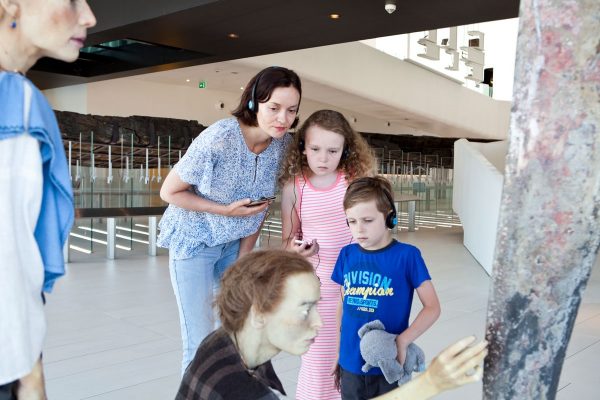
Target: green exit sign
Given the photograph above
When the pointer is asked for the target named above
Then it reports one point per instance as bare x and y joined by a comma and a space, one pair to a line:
202, 84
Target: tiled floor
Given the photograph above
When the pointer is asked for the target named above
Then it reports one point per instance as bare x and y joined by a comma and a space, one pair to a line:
114, 331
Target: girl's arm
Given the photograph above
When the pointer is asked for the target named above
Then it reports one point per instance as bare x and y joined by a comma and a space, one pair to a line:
455, 366
289, 217
177, 192
426, 317
291, 228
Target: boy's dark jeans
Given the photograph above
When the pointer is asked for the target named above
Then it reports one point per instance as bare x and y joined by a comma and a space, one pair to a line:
363, 387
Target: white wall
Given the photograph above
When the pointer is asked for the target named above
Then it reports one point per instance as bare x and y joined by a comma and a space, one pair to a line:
477, 193
494, 152
435, 104
132, 96
500, 47
69, 98
371, 74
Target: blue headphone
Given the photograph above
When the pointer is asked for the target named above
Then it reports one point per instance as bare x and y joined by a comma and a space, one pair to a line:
391, 220
252, 103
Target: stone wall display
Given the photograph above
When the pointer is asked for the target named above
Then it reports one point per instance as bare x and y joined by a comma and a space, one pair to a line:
549, 223
110, 130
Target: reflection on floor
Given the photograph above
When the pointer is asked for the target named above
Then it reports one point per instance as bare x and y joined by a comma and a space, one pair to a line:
114, 332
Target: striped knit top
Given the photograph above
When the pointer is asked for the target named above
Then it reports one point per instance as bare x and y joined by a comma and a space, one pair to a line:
322, 217
321, 212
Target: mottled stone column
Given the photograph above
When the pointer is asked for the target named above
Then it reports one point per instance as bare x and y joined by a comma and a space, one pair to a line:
549, 225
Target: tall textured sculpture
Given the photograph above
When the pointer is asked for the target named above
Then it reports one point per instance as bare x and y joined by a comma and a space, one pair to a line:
549, 226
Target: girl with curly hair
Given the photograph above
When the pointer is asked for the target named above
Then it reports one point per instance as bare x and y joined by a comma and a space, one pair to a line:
324, 156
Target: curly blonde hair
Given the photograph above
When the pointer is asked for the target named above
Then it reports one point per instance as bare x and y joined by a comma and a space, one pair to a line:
359, 160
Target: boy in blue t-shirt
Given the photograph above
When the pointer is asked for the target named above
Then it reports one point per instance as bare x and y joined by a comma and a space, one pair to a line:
378, 276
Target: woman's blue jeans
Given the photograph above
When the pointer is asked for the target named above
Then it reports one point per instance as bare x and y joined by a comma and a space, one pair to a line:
195, 281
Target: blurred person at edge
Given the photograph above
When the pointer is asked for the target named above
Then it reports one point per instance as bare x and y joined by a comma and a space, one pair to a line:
36, 200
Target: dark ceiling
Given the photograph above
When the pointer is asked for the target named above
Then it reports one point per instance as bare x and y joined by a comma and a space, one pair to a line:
170, 34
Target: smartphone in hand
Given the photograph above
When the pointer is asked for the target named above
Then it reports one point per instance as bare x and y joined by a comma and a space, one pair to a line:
308, 244
258, 202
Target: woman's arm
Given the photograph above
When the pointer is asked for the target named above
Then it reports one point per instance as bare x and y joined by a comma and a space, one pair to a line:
426, 317
177, 192
455, 366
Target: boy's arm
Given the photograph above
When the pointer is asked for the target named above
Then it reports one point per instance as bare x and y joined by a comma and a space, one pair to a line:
426, 317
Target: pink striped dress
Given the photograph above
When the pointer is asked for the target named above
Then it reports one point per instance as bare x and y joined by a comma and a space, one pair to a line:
322, 217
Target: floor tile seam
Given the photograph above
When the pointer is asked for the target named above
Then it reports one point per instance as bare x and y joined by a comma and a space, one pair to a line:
126, 387
587, 319
466, 314
563, 387
586, 347
104, 351
169, 302
109, 365
118, 321
53, 347
463, 310
280, 370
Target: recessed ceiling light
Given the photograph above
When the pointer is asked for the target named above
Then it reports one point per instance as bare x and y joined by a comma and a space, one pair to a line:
233, 36
334, 16
187, 80
241, 88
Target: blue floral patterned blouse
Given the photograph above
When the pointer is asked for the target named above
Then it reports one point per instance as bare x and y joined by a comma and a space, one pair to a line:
220, 168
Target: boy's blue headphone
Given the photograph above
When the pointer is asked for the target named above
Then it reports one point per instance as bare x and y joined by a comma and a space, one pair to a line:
391, 220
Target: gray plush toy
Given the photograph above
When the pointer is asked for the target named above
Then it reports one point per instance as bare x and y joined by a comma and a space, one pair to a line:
378, 349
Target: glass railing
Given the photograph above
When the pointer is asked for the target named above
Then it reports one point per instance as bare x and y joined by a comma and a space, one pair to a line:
108, 190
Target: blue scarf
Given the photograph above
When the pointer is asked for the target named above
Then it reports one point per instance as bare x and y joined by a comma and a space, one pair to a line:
56, 212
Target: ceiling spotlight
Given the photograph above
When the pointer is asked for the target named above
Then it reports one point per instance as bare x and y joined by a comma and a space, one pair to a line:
233, 36
241, 88
390, 6
334, 16
187, 80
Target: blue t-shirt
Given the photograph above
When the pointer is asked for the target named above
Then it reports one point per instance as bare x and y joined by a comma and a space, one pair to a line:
220, 167
379, 285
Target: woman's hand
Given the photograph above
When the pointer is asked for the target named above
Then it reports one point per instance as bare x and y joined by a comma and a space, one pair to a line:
457, 365
239, 208
305, 249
